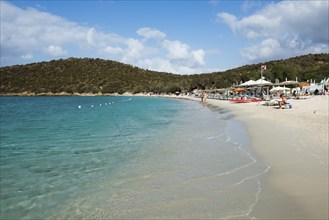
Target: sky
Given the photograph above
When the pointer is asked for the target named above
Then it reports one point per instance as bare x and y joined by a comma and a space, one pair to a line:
181, 37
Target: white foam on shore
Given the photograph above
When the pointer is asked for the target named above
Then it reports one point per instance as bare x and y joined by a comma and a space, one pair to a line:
237, 134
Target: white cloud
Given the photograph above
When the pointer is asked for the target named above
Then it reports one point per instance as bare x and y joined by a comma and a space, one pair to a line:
229, 19
28, 56
133, 51
179, 59
180, 54
198, 56
150, 33
266, 49
165, 65
214, 2
286, 28
250, 4
55, 51
29, 33
157, 63
176, 49
113, 50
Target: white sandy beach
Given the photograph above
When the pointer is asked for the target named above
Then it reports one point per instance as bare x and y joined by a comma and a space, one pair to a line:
294, 142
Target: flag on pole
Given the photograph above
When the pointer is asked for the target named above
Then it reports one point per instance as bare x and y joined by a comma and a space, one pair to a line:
263, 67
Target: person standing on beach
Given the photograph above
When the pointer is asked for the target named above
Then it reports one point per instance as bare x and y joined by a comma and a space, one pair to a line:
202, 96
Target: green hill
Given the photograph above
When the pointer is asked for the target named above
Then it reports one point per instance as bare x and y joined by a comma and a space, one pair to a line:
86, 75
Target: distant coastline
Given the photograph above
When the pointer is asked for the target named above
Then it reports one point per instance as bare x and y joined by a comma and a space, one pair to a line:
29, 94
94, 77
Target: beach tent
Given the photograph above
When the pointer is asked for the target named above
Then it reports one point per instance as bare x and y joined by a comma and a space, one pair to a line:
312, 88
325, 84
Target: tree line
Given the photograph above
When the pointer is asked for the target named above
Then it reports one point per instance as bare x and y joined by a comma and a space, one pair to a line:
98, 76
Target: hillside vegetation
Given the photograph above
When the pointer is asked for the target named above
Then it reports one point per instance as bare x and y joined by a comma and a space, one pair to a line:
86, 75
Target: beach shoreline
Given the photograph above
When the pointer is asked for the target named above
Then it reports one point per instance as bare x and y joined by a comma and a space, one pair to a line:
294, 143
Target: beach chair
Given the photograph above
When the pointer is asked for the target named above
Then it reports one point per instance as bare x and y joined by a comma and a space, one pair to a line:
272, 102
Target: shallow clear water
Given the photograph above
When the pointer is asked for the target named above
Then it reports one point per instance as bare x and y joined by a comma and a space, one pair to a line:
122, 157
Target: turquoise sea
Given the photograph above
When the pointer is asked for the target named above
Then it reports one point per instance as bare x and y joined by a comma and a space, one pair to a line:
123, 157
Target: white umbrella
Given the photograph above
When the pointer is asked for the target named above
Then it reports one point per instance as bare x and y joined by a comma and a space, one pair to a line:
288, 83
262, 82
248, 83
278, 89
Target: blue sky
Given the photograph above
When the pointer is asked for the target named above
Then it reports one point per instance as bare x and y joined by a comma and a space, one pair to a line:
183, 37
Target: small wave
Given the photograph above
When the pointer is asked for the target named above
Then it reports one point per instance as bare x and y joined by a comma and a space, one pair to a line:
214, 137
250, 208
256, 176
252, 177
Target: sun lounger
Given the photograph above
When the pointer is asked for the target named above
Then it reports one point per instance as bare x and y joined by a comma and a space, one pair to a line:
272, 102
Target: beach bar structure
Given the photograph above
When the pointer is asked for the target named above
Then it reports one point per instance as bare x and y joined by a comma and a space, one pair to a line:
264, 89
258, 88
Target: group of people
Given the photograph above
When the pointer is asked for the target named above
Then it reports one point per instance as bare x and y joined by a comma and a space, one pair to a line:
283, 102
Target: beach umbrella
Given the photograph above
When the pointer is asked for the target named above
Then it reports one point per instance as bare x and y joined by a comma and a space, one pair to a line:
262, 82
279, 89
303, 84
248, 83
287, 83
239, 90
